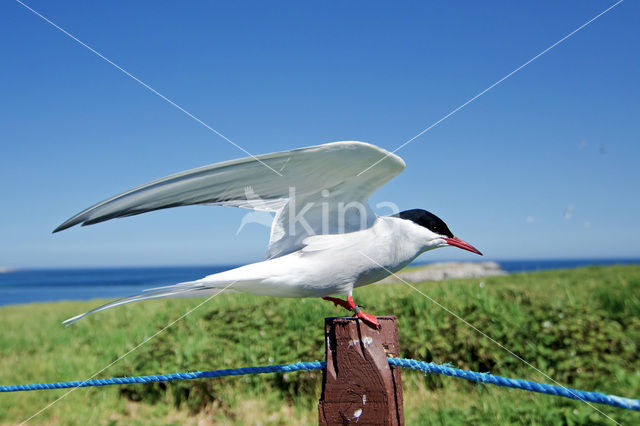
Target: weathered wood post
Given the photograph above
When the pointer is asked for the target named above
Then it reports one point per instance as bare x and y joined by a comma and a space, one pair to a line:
358, 384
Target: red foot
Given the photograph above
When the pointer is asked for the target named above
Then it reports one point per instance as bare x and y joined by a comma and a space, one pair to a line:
368, 319
350, 305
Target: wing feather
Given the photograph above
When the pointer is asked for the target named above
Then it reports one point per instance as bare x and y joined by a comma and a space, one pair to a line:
247, 183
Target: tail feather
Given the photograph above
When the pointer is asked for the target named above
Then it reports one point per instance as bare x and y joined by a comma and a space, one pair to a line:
168, 291
245, 278
191, 284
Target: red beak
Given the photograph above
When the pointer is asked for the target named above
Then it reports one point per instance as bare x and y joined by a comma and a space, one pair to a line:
455, 241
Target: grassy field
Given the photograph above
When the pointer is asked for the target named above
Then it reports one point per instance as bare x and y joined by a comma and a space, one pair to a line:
581, 327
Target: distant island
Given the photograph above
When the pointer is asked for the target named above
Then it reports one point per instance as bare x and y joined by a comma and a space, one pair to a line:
448, 270
6, 269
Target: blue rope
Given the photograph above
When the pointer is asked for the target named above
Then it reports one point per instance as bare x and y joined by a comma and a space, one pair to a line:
425, 367
285, 368
585, 396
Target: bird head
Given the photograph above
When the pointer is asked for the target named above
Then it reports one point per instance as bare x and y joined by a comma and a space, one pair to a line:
433, 232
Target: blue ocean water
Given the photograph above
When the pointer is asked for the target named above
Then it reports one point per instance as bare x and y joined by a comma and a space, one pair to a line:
47, 285
514, 266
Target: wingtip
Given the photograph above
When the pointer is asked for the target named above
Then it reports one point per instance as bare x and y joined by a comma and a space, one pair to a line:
60, 228
63, 226
68, 224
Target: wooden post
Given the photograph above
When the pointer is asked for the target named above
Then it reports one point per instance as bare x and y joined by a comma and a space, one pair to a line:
358, 386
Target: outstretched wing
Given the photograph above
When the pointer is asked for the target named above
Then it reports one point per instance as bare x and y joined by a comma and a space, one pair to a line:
318, 190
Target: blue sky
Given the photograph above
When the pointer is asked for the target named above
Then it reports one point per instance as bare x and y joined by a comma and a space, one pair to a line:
275, 76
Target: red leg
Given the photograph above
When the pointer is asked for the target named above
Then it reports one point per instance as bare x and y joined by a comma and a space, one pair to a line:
339, 302
350, 305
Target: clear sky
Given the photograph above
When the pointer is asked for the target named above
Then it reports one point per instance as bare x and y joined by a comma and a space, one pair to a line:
545, 165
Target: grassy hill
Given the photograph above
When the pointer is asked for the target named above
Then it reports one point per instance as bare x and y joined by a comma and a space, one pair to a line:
581, 327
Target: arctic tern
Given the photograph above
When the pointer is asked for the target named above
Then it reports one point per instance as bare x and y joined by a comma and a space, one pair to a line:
325, 238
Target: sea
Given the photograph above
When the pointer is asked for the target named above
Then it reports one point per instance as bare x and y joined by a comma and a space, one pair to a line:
49, 285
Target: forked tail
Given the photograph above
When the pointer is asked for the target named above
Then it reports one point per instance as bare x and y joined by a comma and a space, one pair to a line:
153, 293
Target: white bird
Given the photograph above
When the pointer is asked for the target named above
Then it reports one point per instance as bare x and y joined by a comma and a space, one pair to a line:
325, 238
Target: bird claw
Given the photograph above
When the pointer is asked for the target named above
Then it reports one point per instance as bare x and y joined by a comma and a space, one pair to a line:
368, 319
350, 305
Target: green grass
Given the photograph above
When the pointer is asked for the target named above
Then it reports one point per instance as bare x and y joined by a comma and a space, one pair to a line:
581, 327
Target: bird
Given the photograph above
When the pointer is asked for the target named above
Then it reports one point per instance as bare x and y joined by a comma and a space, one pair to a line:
325, 239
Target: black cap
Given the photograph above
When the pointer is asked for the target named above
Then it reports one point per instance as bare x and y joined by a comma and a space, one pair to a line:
429, 220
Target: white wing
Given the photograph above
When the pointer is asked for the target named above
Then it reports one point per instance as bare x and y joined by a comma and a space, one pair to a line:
319, 191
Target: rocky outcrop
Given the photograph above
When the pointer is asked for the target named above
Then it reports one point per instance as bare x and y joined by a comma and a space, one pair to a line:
449, 270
